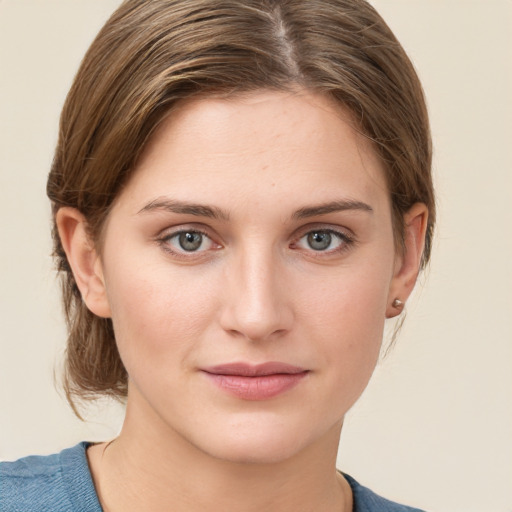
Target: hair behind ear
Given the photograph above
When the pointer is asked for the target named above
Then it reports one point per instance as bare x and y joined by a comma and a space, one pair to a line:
93, 364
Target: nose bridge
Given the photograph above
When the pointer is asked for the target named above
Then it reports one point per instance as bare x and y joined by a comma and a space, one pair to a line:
256, 302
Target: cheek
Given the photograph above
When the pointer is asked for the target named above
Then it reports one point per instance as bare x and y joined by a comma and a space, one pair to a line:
347, 315
355, 331
351, 300
157, 311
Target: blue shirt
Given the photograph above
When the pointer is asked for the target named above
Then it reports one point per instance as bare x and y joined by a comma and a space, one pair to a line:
63, 483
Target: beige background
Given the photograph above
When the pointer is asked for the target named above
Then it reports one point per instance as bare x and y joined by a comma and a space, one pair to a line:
434, 428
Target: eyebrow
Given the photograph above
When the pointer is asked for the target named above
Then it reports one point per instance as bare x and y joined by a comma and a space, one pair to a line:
213, 212
331, 207
173, 206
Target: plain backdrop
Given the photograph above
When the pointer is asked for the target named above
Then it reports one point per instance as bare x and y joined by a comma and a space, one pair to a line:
434, 428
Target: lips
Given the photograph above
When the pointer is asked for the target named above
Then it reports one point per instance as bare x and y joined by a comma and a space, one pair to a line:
255, 382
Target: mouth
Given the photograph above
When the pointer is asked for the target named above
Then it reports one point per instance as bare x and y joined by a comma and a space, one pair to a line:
255, 382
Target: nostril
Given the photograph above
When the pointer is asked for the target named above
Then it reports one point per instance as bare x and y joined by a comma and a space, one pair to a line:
255, 305
257, 332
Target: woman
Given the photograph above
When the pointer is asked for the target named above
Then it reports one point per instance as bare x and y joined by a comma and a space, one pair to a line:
241, 195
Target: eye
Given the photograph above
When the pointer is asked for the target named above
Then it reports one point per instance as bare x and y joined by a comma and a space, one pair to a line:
323, 240
188, 241
319, 240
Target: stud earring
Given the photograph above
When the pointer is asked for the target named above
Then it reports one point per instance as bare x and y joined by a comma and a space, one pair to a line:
398, 304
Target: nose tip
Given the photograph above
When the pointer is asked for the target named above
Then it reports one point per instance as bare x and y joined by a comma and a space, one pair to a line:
253, 325
255, 331
257, 306
257, 318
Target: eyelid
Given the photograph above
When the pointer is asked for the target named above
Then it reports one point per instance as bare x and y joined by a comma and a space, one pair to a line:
330, 228
345, 235
170, 232
183, 228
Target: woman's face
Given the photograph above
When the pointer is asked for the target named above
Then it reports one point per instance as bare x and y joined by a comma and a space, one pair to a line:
247, 268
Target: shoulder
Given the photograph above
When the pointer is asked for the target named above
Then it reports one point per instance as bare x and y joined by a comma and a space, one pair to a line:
53, 482
366, 500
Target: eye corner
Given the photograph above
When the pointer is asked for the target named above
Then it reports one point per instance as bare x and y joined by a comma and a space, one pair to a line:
186, 242
323, 241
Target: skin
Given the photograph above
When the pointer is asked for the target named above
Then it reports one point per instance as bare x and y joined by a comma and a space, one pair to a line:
256, 290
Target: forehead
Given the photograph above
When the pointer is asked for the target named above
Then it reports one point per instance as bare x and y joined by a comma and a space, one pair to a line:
280, 144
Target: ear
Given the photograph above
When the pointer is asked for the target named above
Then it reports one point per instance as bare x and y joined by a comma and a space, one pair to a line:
408, 262
83, 259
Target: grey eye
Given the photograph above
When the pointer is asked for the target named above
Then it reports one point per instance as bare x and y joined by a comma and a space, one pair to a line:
319, 240
190, 241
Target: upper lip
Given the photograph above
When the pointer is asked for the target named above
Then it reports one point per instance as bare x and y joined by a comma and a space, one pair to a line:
254, 370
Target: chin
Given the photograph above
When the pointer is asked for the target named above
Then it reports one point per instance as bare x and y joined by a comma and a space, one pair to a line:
257, 444
250, 452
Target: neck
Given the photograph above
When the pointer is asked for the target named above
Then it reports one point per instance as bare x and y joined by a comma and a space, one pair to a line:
150, 467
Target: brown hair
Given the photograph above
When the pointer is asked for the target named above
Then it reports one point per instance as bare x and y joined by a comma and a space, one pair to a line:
153, 53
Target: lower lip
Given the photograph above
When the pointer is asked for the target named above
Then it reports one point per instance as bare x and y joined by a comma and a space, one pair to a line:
260, 387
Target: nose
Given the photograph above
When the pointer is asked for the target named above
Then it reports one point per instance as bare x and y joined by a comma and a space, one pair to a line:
256, 304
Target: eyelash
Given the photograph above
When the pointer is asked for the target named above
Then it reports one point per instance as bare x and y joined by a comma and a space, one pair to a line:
345, 240
164, 242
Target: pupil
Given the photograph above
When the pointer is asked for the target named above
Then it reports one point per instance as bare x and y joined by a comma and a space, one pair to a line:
319, 240
190, 241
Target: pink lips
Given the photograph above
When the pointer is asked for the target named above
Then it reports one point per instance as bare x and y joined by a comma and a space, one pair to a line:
255, 382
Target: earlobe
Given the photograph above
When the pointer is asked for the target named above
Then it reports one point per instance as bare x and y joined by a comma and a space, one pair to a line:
409, 261
83, 260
